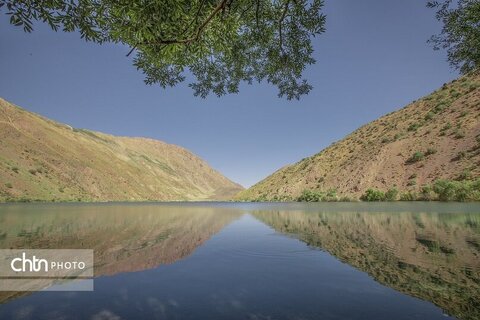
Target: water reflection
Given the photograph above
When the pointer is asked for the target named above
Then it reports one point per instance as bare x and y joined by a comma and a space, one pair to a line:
125, 238
218, 261
435, 257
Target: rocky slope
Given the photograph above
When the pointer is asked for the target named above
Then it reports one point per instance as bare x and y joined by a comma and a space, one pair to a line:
41, 159
436, 137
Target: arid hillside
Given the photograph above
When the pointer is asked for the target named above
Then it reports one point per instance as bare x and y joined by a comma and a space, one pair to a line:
44, 160
436, 137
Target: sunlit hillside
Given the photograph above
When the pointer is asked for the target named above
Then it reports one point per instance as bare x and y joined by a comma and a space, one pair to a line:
41, 159
436, 137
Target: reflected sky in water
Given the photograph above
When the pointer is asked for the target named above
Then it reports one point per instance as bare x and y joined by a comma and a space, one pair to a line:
256, 261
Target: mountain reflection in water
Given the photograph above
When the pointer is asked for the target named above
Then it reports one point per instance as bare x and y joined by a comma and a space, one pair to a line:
185, 253
435, 257
125, 238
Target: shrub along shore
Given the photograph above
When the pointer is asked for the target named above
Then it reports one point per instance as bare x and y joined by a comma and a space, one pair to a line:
439, 190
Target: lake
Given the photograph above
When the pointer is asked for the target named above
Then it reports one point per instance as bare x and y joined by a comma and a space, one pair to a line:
255, 260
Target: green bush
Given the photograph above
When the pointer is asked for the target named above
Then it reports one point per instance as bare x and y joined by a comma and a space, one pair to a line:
475, 190
446, 127
373, 195
457, 190
318, 196
440, 107
429, 116
459, 134
411, 182
309, 196
430, 151
413, 127
444, 189
427, 193
408, 196
391, 194
417, 156
8, 185
456, 94
465, 175
462, 192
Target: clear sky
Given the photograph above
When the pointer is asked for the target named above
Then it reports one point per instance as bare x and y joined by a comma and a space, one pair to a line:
373, 59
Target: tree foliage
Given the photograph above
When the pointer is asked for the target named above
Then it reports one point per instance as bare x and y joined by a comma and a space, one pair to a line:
221, 43
460, 35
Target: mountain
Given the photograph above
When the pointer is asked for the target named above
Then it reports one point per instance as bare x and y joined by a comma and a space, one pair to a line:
436, 137
44, 160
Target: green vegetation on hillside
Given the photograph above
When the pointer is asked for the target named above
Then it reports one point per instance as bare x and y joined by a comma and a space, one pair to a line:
317, 196
441, 190
434, 138
377, 195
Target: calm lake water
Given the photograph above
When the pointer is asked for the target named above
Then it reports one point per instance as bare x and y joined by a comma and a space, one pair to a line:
255, 261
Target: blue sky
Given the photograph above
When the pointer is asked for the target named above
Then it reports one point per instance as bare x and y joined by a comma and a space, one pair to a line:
373, 59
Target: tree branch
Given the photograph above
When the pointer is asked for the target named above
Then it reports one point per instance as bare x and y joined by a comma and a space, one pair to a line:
199, 31
245, 10
195, 21
133, 49
257, 11
284, 14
